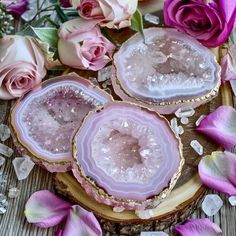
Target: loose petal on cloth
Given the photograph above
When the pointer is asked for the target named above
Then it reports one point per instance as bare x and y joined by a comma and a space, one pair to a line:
218, 171
45, 209
198, 227
220, 126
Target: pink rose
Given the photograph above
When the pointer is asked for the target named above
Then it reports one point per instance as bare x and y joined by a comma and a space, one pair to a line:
210, 22
16, 7
22, 65
112, 14
81, 45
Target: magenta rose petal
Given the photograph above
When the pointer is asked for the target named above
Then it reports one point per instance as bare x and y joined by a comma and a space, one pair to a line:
45, 119
198, 227
120, 157
45, 209
220, 126
218, 171
81, 222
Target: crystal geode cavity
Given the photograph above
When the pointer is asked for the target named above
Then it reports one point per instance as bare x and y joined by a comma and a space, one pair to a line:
45, 119
169, 71
127, 156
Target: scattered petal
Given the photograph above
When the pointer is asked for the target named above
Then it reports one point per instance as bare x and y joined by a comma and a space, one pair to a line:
46, 209
81, 222
198, 227
220, 125
218, 171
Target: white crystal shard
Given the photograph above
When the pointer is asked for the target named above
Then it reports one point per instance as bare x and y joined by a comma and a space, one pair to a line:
156, 233
5, 132
3, 210
198, 121
2, 160
211, 204
232, 200
23, 167
180, 130
174, 125
145, 214
184, 120
118, 209
93, 80
185, 112
152, 18
3, 203
104, 74
198, 148
5, 150
13, 192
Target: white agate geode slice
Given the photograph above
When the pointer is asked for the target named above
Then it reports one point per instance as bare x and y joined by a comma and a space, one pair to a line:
45, 120
169, 71
127, 156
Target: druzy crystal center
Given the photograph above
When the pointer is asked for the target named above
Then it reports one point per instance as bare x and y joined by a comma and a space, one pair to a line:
126, 150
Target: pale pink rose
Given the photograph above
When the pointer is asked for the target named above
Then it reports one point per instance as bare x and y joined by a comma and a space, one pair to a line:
81, 45
22, 65
112, 14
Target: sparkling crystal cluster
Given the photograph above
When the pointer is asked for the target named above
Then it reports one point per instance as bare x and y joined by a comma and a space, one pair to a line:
125, 153
166, 71
47, 117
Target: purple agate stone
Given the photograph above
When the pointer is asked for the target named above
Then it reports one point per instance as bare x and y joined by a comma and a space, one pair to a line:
129, 152
45, 120
169, 71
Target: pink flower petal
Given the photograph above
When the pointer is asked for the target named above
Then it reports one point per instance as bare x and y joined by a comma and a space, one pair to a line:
198, 227
45, 209
218, 171
80, 222
220, 126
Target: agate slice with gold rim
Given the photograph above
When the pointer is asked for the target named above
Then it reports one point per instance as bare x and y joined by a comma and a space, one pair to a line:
45, 120
168, 71
127, 155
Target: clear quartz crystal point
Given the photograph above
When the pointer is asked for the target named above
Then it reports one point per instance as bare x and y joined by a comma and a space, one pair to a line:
180, 130
23, 167
5, 132
198, 148
211, 204
5, 150
152, 18
232, 200
185, 112
198, 121
118, 209
13, 192
174, 125
144, 214
3, 204
2, 160
184, 120
104, 74
156, 233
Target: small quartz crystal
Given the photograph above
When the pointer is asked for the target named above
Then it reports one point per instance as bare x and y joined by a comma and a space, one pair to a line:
180, 130
2, 160
118, 209
104, 74
211, 204
185, 112
13, 192
198, 148
198, 121
232, 200
144, 214
184, 120
5, 132
174, 125
5, 150
93, 80
3, 204
156, 233
23, 167
152, 18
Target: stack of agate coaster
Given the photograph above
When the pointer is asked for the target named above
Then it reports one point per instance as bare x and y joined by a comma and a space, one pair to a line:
44, 120
168, 71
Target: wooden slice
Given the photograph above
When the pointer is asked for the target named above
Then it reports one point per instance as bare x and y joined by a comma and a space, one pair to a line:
183, 199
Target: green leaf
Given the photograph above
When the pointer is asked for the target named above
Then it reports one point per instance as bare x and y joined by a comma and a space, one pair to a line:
137, 22
48, 35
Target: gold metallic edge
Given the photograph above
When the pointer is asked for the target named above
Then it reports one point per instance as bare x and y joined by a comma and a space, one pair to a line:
102, 193
35, 157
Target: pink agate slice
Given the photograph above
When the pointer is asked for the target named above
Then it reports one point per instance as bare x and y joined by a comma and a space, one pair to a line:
45, 119
169, 71
129, 152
